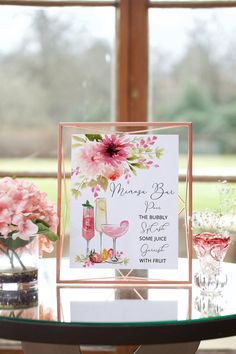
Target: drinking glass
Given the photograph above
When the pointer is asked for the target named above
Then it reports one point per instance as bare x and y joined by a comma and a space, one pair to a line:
100, 217
88, 223
211, 249
114, 231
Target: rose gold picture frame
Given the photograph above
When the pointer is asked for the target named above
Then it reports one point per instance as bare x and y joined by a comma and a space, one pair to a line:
65, 275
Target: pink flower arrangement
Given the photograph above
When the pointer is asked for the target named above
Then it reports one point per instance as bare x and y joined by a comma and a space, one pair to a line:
104, 158
25, 212
108, 154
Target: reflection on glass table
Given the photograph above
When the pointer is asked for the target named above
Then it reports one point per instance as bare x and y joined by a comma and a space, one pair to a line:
153, 316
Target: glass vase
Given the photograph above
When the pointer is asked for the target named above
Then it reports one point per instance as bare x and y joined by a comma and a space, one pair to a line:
19, 265
211, 249
210, 304
11, 300
29, 313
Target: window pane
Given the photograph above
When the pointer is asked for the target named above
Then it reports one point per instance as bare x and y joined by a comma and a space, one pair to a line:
192, 73
192, 77
56, 64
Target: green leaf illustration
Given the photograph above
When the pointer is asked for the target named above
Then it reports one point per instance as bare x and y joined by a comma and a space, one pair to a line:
78, 259
103, 182
93, 137
151, 156
126, 261
159, 152
87, 205
75, 193
132, 158
139, 165
93, 183
133, 170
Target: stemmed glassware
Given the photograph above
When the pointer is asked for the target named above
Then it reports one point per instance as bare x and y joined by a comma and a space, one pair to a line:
99, 222
101, 217
114, 231
88, 223
211, 249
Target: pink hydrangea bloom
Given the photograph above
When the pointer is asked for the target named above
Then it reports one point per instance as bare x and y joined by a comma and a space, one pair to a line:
26, 229
21, 204
5, 209
45, 245
4, 230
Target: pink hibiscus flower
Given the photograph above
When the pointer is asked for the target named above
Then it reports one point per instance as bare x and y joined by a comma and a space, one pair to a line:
114, 150
89, 161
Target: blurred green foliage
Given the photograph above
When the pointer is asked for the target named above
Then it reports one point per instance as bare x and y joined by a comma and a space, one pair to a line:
199, 87
59, 73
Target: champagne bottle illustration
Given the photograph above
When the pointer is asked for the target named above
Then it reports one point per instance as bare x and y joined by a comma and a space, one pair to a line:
100, 217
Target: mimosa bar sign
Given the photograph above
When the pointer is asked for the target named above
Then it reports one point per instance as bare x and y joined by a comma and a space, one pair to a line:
124, 201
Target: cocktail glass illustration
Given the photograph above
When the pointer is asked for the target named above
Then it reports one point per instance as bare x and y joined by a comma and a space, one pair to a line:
114, 231
88, 223
100, 216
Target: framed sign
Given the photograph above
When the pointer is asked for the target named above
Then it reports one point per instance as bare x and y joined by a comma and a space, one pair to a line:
123, 204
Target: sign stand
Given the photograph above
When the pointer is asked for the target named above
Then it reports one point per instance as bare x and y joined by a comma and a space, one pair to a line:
146, 212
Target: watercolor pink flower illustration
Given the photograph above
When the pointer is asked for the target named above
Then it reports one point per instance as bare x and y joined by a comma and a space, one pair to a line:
104, 158
113, 173
114, 150
89, 160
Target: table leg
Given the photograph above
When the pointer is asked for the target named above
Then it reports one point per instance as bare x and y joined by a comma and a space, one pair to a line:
176, 348
39, 348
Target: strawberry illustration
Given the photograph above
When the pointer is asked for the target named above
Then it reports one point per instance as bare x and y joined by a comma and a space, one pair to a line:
94, 257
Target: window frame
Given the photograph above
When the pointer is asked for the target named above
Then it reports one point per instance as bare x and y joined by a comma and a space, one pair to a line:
132, 57
132, 45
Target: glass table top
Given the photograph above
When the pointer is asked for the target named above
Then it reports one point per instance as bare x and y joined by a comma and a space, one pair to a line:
120, 306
